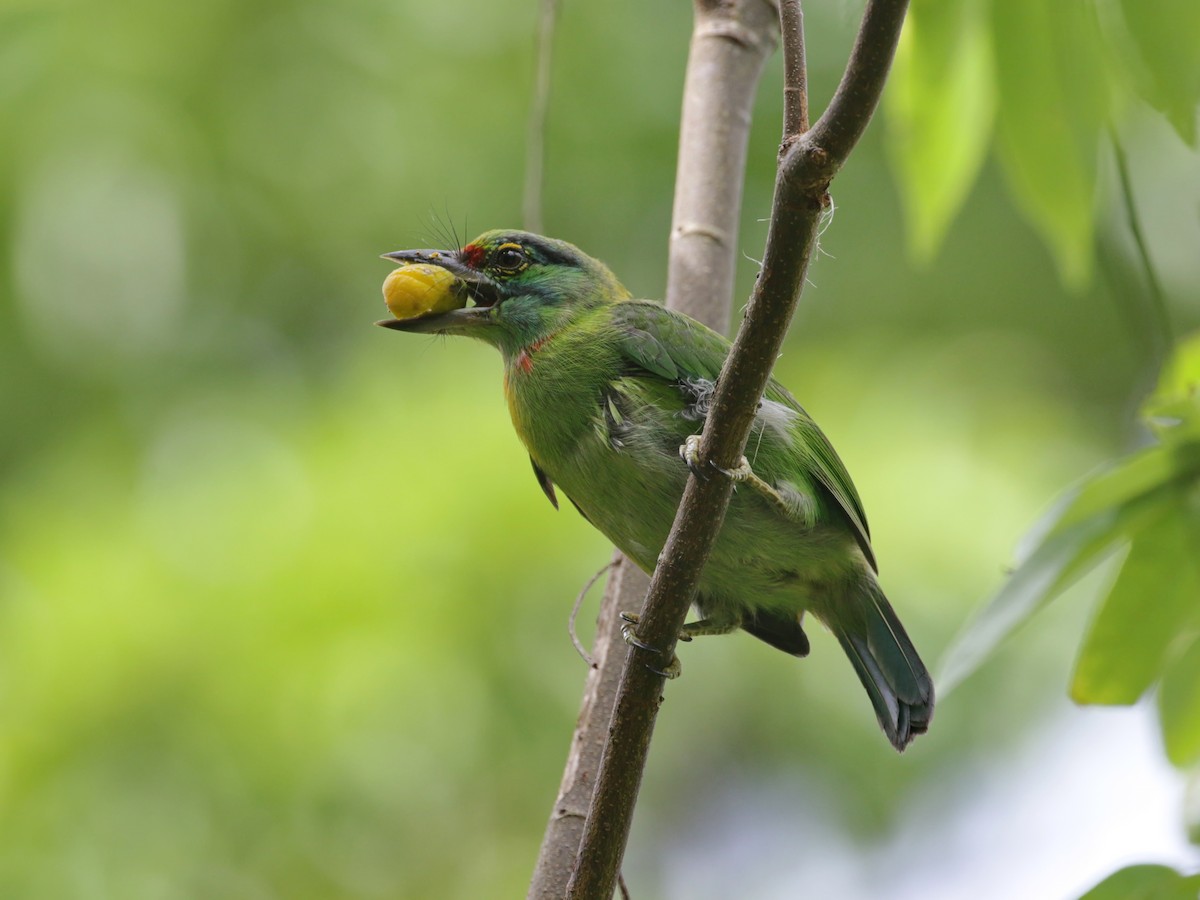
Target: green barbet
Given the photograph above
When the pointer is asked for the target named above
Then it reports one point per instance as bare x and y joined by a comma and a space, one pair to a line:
605, 392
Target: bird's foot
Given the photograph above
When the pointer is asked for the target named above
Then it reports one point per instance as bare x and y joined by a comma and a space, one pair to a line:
672, 669
689, 452
742, 473
713, 625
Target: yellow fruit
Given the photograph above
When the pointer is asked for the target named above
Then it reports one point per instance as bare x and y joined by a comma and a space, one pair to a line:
419, 290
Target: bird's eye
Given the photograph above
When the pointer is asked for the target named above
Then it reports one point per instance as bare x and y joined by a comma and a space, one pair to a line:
509, 259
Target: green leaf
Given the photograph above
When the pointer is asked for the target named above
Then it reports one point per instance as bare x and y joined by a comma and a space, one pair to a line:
1174, 407
1145, 882
1167, 35
1181, 375
1155, 597
1053, 566
1053, 103
1150, 500
1113, 485
1179, 706
940, 106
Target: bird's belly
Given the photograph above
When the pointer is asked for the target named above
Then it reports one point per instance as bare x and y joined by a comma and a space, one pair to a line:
629, 496
760, 559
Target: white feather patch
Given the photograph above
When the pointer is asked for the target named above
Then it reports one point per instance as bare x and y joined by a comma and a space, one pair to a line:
777, 416
801, 503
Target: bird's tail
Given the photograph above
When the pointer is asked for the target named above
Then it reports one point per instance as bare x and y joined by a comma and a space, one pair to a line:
887, 663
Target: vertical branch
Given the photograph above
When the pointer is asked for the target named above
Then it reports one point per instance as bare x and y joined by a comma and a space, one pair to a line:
730, 43
795, 71
626, 585
808, 162
535, 138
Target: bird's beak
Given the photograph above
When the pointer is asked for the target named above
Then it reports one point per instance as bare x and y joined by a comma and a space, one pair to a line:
457, 321
478, 287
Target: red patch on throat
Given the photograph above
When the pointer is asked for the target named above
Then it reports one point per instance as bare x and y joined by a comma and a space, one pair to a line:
524, 359
472, 255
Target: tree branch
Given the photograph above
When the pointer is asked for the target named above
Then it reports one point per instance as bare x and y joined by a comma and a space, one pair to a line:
807, 164
730, 43
795, 71
827, 145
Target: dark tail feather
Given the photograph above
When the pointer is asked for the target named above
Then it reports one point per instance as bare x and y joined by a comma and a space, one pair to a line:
887, 663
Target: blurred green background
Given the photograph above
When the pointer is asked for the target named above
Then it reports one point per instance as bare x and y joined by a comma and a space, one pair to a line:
282, 609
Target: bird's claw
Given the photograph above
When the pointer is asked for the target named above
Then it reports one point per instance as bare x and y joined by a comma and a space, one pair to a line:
689, 452
671, 669
741, 472
630, 635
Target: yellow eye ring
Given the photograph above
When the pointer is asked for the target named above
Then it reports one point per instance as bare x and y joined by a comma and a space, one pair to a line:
510, 259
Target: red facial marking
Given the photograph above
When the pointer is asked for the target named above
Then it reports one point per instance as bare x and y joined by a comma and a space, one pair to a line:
472, 255
524, 359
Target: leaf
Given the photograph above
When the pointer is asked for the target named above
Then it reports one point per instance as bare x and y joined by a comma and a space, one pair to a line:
1181, 376
1114, 485
1053, 100
1167, 35
1158, 489
1179, 706
1054, 565
1173, 410
1145, 882
940, 105
1155, 597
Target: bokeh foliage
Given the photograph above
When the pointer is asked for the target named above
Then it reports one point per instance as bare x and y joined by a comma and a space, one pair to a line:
1145, 506
1050, 81
281, 606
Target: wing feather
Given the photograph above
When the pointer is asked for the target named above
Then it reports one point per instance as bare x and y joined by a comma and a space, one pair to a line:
674, 348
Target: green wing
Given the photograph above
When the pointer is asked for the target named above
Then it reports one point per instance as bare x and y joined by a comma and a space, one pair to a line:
831, 472
675, 348
666, 343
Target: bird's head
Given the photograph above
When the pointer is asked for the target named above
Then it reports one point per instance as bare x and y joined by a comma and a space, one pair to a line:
522, 286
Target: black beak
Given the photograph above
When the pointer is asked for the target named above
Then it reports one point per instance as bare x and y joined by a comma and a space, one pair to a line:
454, 322
480, 288
447, 259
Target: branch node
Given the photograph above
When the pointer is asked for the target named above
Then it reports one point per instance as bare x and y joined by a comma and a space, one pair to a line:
727, 30
699, 229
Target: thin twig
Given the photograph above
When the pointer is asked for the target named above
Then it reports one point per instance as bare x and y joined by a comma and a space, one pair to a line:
535, 140
828, 143
800, 199
579, 648
795, 74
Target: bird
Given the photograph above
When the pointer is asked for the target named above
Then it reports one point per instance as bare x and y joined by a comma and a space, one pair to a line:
607, 393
